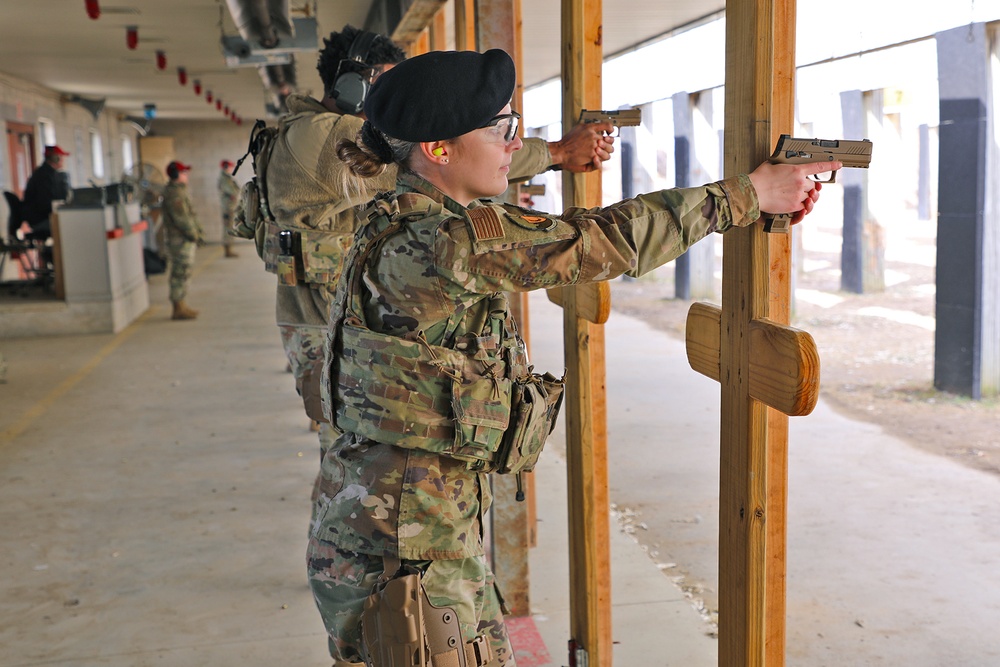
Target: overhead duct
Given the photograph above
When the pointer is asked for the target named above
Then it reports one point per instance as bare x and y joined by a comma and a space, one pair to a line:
267, 33
262, 23
95, 107
268, 38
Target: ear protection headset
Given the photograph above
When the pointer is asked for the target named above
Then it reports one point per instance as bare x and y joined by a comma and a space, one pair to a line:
351, 88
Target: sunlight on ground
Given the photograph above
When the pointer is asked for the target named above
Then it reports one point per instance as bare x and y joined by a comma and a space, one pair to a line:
818, 298
900, 316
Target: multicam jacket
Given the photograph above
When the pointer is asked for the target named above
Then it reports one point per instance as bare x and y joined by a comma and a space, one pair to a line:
306, 195
178, 214
441, 268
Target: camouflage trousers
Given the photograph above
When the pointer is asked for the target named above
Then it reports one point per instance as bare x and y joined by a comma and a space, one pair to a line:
342, 580
180, 254
304, 349
227, 224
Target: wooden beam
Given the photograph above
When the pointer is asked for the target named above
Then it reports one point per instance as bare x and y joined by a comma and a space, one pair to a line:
779, 311
513, 522
759, 44
420, 44
419, 15
438, 32
465, 25
585, 403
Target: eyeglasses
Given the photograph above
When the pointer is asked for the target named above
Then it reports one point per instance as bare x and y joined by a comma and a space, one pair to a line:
504, 126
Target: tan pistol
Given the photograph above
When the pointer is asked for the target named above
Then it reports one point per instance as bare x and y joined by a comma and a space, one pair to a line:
852, 153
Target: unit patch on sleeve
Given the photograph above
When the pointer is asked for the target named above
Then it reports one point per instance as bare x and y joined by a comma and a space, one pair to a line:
532, 221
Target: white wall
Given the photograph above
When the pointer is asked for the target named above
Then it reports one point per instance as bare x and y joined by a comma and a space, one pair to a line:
203, 144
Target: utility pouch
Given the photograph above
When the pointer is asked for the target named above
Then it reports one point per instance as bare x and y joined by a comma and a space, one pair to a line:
535, 403
248, 223
285, 265
481, 404
401, 628
309, 390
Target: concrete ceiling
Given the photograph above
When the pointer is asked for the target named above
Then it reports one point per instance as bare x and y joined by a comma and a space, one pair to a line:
55, 44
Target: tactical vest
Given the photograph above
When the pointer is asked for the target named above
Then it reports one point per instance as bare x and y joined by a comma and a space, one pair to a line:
475, 400
310, 246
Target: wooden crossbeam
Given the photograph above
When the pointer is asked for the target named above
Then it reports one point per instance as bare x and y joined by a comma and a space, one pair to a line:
784, 362
593, 301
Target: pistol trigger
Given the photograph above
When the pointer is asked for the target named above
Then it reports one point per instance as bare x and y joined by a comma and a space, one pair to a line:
816, 179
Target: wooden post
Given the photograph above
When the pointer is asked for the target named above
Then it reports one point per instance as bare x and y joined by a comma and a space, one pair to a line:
438, 32
768, 370
465, 25
513, 523
585, 402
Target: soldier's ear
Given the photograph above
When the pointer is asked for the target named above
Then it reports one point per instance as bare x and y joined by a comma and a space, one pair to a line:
436, 151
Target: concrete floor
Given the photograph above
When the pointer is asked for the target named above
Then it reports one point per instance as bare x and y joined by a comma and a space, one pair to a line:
154, 503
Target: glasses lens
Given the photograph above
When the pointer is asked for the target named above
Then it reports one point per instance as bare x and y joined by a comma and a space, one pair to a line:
505, 125
511, 129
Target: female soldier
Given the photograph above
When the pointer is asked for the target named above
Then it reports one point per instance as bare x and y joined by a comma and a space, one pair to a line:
423, 361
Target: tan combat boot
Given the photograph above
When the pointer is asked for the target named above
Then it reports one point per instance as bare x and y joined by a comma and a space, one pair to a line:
182, 312
230, 252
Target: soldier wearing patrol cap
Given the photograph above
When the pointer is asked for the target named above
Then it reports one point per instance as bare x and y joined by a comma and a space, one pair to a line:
229, 193
184, 235
423, 362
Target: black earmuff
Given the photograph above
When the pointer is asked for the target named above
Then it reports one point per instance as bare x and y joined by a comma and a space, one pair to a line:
351, 88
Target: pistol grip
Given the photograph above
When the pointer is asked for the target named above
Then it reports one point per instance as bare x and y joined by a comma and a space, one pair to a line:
777, 224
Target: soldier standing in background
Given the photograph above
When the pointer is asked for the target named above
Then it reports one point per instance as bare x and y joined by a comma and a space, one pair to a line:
184, 234
229, 193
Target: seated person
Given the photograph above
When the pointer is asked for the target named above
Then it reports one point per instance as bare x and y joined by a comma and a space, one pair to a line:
48, 183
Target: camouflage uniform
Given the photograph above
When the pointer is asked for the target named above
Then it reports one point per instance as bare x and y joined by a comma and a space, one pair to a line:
184, 233
229, 193
305, 195
443, 267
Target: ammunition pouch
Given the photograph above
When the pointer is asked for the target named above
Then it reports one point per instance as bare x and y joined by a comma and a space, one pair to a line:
535, 403
316, 257
401, 628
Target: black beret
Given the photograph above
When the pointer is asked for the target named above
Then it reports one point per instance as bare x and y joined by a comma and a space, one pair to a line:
440, 95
